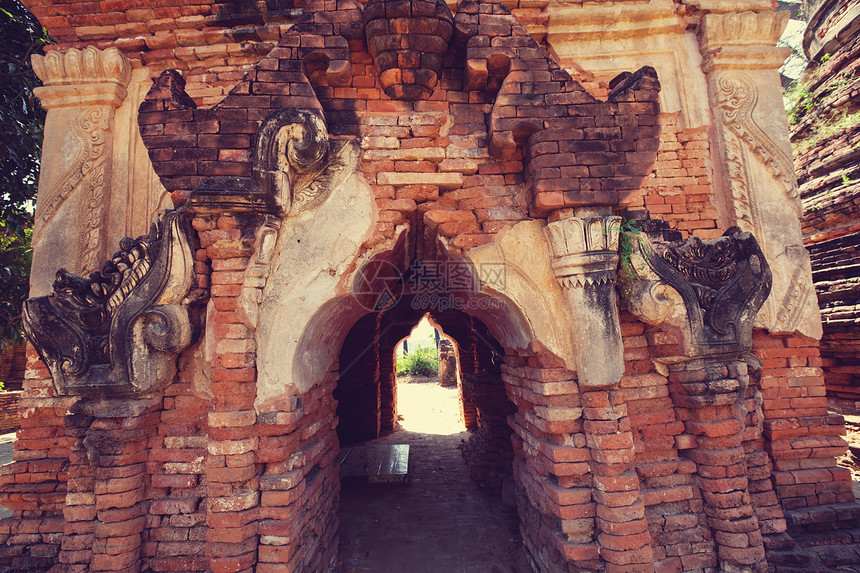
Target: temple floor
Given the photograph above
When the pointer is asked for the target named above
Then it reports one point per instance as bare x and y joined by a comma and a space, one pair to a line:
443, 521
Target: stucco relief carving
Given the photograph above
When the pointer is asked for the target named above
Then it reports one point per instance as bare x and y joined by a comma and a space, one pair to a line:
736, 96
91, 130
585, 262
586, 250
257, 271
81, 91
295, 163
711, 290
119, 331
760, 193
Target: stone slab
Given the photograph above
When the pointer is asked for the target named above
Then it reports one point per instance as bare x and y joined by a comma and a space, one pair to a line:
375, 464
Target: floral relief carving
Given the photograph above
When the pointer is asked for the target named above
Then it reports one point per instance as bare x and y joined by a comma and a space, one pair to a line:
296, 164
91, 129
736, 97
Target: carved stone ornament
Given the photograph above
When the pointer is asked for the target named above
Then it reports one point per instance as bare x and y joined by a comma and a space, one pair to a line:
119, 331
585, 249
712, 290
295, 163
585, 262
736, 96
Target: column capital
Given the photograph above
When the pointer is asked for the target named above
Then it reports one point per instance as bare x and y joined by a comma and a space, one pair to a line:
585, 262
75, 77
585, 249
745, 40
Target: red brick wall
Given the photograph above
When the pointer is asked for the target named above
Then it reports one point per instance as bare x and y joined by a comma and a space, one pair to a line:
9, 411
827, 162
230, 484
13, 363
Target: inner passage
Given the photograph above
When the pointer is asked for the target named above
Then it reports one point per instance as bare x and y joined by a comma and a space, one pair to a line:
440, 519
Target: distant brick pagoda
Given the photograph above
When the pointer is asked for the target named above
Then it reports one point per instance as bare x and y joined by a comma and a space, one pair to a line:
616, 254
826, 135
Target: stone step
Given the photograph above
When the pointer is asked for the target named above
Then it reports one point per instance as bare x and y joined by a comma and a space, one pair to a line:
819, 559
834, 537
822, 519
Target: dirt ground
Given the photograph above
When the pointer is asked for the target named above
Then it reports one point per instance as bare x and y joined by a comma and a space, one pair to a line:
442, 522
851, 459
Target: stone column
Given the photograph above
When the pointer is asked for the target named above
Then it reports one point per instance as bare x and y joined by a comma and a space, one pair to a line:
585, 261
758, 186
82, 90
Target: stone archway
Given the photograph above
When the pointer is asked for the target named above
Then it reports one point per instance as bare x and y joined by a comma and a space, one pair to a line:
363, 389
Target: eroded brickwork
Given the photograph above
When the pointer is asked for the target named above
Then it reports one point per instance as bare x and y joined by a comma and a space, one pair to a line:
684, 464
826, 139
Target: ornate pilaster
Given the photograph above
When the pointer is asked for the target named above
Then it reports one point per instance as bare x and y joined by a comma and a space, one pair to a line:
706, 295
759, 188
585, 263
82, 90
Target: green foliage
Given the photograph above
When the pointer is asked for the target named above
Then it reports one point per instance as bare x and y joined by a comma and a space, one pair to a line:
628, 241
799, 101
423, 361
825, 128
21, 126
15, 258
846, 181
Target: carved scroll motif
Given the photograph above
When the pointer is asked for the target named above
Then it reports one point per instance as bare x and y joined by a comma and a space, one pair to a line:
91, 130
736, 96
118, 332
295, 163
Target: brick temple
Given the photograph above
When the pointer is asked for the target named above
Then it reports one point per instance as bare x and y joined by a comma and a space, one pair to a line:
595, 201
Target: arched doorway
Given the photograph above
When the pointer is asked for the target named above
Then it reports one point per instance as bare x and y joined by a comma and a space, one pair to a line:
453, 515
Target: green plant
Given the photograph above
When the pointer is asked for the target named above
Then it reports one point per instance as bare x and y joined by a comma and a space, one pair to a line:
826, 57
423, 361
15, 258
798, 100
846, 181
826, 128
21, 126
628, 242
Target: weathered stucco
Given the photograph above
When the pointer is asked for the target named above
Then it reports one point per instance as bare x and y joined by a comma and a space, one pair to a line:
558, 186
314, 251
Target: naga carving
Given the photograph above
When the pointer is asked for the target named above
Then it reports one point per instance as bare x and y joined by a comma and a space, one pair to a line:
295, 163
712, 290
119, 331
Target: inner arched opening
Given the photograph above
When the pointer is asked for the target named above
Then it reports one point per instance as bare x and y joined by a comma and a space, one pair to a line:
429, 396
